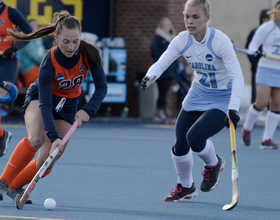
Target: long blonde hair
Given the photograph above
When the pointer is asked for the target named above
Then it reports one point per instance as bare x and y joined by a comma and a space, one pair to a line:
204, 4
161, 23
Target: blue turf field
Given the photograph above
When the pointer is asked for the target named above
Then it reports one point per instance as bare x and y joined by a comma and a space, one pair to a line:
123, 170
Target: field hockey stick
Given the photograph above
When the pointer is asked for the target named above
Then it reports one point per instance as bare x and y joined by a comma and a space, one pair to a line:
20, 201
248, 52
12, 93
234, 170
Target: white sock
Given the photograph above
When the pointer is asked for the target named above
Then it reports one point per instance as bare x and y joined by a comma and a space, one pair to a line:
252, 117
270, 125
208, 154
183, 166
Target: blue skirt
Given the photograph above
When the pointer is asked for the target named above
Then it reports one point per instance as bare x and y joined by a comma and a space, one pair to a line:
203, 99
268, 76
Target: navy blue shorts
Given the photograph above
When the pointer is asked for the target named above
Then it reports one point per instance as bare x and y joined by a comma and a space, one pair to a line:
67, 112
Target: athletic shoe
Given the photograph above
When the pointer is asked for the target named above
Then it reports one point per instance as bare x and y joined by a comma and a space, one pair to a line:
4, 142
268, 144
3, 188
211, 175
170, 121
179, 193
158, 119
246, 137
13, 192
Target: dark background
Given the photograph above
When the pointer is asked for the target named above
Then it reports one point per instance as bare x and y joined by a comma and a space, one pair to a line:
95, 13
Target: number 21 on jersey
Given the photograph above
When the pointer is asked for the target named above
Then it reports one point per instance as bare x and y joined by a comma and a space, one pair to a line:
213, 82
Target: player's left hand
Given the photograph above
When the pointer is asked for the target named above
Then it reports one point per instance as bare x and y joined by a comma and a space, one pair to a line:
9, 53
82, 117
233, 116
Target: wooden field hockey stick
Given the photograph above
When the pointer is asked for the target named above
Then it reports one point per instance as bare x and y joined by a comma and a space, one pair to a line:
248, 52
20, 201
234, 170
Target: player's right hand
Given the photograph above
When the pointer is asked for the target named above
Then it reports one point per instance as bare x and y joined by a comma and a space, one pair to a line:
55, 144
147, 81
9, 53
258, 54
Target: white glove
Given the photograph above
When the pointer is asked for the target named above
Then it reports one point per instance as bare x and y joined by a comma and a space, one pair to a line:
147, 81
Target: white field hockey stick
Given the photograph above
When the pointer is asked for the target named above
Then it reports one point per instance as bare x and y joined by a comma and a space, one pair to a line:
20, 201
248, 52
234, 170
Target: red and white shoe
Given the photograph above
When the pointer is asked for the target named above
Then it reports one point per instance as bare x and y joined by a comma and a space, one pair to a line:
179, 193
268, 145
246, 137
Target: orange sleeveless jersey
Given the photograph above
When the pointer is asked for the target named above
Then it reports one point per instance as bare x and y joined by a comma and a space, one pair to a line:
5, 23
67, 82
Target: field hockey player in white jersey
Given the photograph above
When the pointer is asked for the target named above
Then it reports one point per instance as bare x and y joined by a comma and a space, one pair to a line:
267, 80
213, 100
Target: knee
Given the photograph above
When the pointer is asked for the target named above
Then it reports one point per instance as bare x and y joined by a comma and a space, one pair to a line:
260, 106
195, 141
37, 141
275, 106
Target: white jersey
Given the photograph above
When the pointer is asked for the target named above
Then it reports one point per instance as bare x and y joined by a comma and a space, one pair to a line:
217, 70
267, 35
